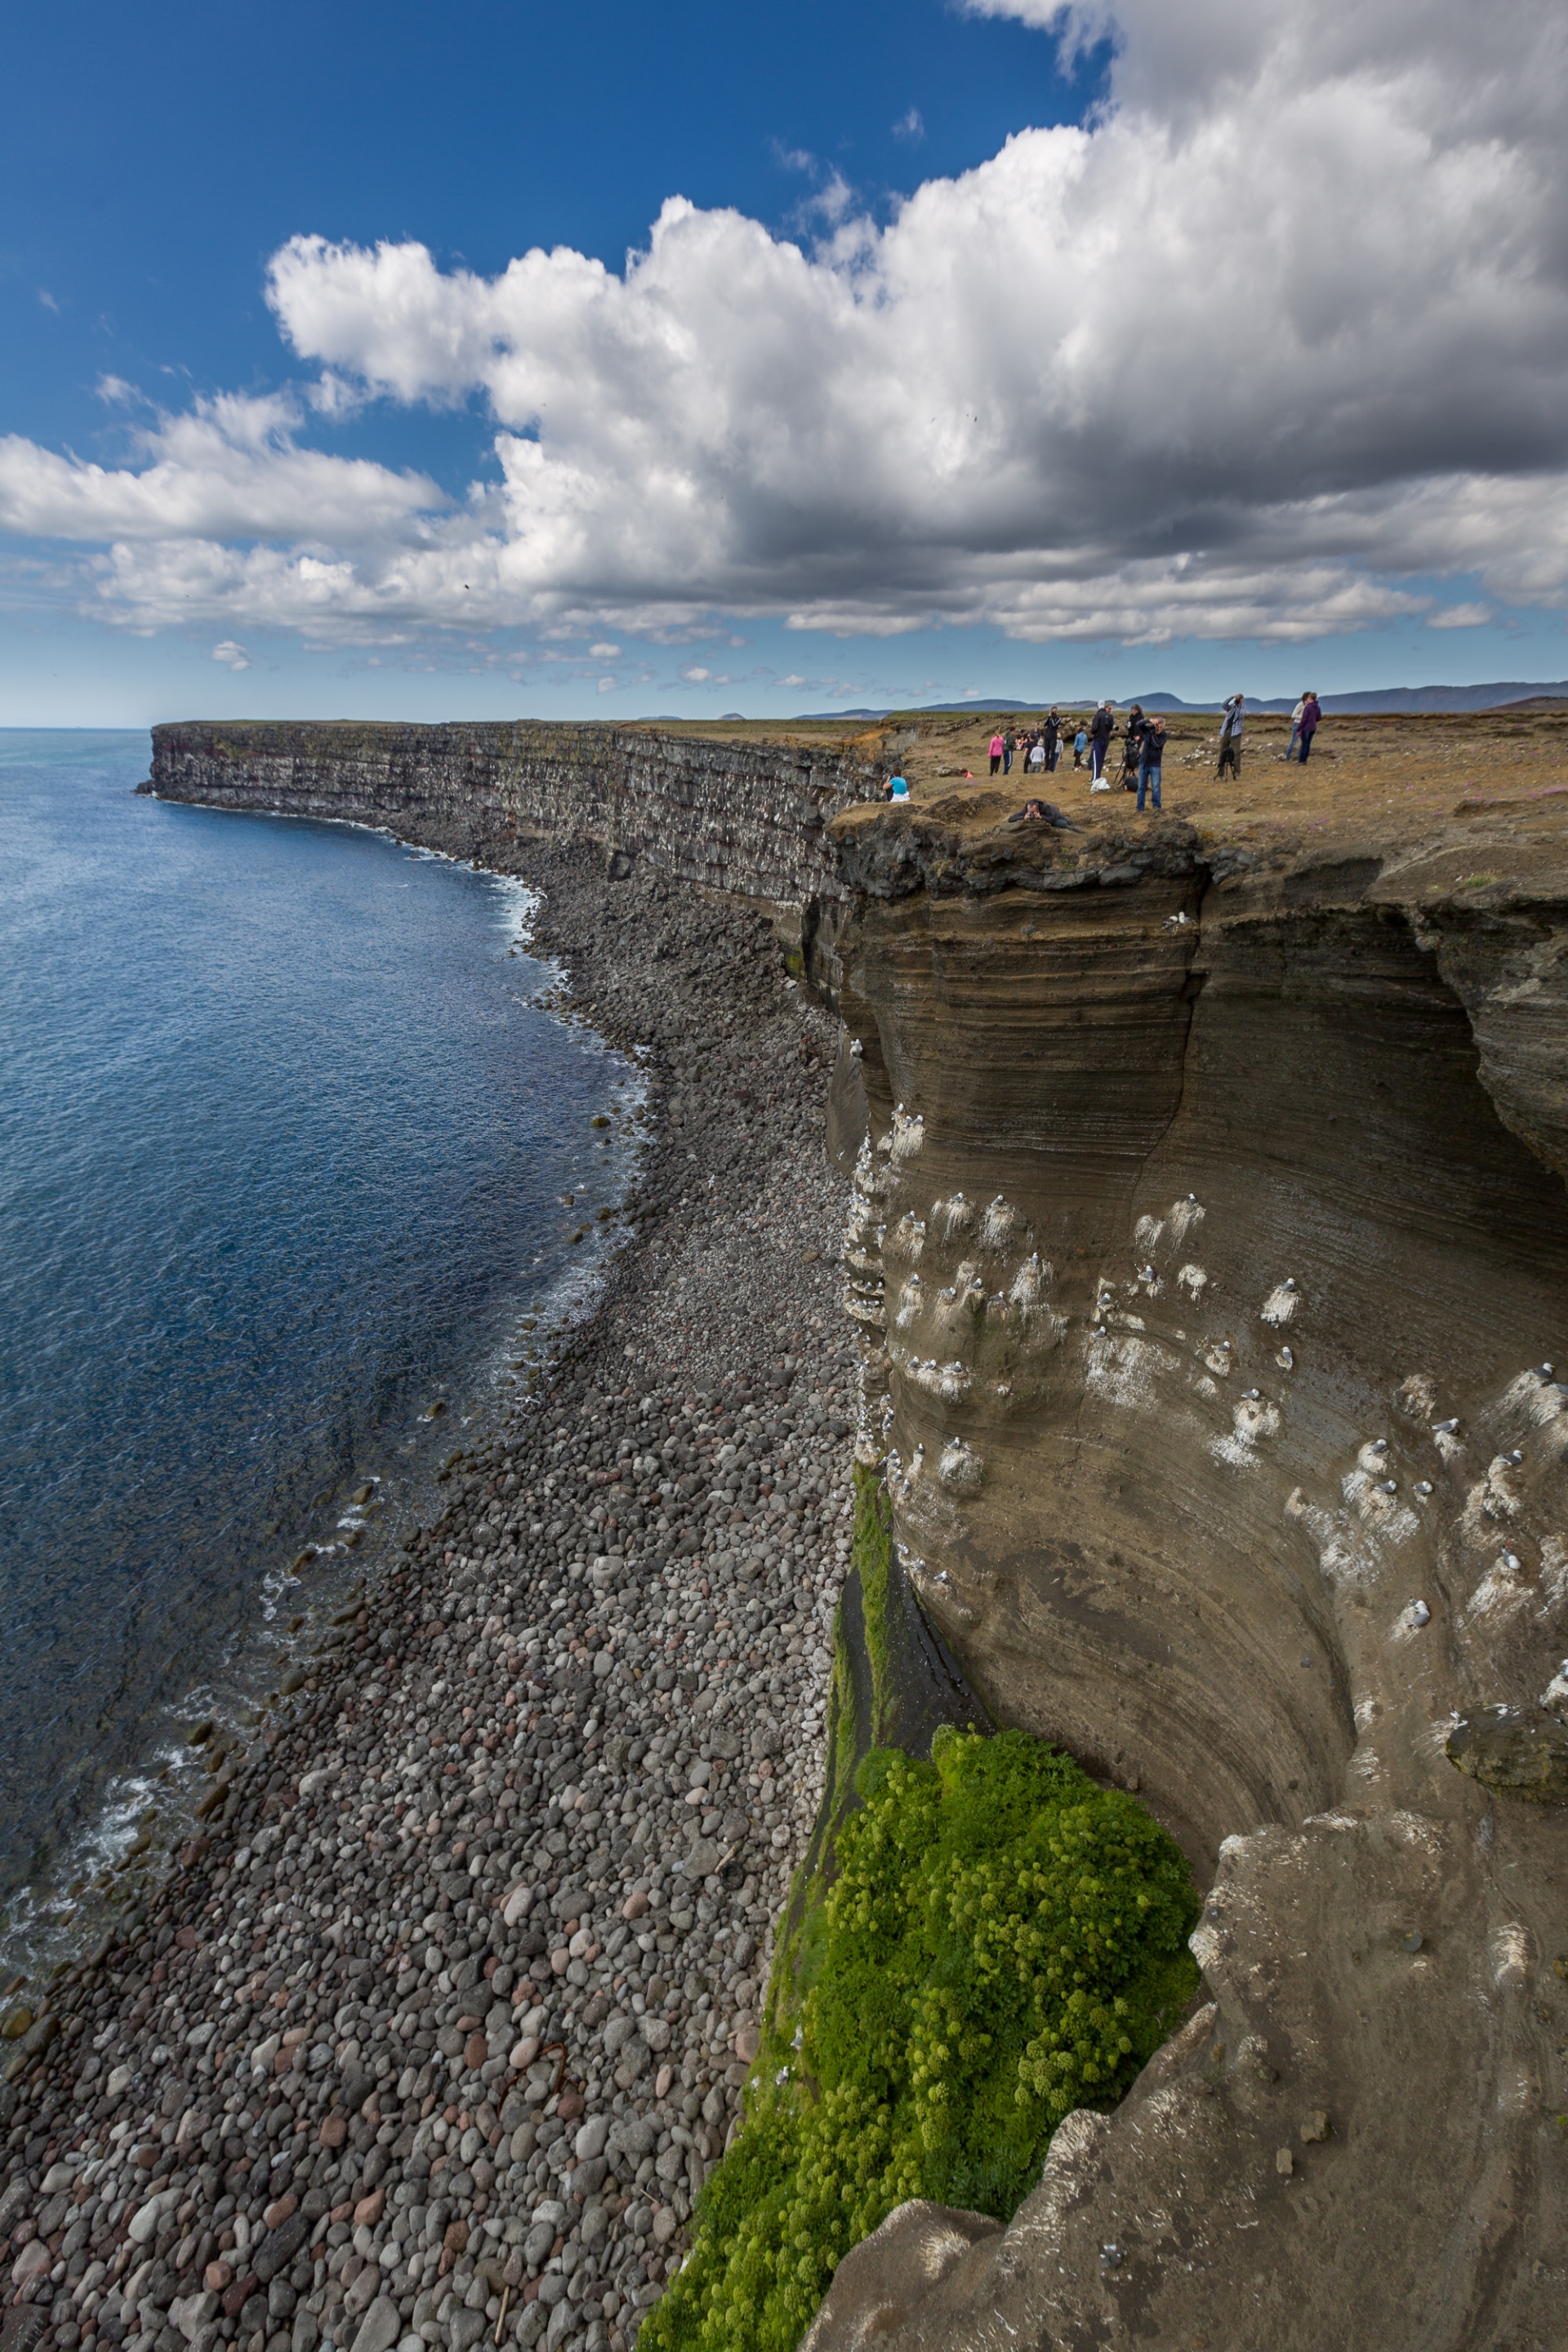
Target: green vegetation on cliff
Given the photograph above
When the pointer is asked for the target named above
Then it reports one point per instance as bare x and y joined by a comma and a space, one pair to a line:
1003, 1942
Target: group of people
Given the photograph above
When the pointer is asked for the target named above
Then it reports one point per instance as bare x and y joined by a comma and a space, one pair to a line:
1042, 746
1142, 740
1305, 720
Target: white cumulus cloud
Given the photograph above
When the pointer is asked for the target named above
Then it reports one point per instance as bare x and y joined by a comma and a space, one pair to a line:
232, 655
229, 468
1274, 337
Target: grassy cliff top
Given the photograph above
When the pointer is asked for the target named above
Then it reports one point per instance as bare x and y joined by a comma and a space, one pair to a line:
1481, 799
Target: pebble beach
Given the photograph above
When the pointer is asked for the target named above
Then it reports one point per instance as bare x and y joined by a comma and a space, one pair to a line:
439, 2018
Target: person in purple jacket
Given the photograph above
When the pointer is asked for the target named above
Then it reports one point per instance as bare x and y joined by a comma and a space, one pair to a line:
1312, 712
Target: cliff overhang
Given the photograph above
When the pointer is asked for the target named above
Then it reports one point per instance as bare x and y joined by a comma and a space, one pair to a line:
1210, 1257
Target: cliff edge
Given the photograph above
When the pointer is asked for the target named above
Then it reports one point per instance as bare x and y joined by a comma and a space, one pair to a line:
734, 814
1210, 1257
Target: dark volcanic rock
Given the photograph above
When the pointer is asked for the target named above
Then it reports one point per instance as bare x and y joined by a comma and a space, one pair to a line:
1518, 1751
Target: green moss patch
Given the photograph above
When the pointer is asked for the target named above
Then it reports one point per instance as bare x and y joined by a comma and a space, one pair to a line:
1003, 1942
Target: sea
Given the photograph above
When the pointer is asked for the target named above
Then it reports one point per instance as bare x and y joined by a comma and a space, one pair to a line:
295, 1138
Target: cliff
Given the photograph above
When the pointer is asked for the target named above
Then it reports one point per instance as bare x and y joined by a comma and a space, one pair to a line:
734, 814
1210, 1257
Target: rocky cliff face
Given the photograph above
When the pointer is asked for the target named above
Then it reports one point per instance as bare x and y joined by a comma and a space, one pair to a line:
1210, 1263
735, 816
1211, 1259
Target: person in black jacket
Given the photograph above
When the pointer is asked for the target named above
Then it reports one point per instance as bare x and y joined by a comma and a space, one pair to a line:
1101, 728
1132, 747
1051, 736
1151, 758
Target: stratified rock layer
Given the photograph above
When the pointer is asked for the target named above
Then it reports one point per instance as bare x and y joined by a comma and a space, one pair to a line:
739, 816
1209, 1299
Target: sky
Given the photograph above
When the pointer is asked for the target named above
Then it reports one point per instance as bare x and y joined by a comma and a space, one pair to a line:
592, 360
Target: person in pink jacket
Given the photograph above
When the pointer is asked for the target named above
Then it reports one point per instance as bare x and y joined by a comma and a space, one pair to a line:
995, 753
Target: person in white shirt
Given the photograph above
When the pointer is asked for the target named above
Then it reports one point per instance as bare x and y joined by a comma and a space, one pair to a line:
1295, 728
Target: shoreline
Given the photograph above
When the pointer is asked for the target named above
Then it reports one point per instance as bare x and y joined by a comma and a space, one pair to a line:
87, 1866
521, 1710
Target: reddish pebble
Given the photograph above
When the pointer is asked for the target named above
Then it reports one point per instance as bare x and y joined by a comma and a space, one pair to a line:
570, 2106
369, 2208
217, 2276
341, 2213
335, 2131
280, 2212
456, 2241
476, 2050
185, 1936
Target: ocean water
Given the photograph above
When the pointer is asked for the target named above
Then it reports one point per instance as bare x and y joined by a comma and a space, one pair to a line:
284, 1143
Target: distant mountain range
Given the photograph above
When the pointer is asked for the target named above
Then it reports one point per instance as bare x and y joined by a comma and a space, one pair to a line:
1415, 699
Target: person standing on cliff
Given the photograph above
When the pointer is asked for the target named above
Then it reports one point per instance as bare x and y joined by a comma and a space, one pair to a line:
1231, 725
1150, 756
1101, 728
995, 753
1311, 712
1132, 747
1009, 745
1079, 746
1295, 728
1051, 736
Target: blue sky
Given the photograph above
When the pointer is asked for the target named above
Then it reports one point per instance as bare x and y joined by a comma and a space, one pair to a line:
967, 367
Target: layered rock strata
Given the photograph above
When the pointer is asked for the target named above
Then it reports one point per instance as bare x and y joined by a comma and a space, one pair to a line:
746, 818
1210, 1257
438, 2023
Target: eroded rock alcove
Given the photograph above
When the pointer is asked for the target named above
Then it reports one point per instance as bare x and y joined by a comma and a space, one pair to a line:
1211, 1296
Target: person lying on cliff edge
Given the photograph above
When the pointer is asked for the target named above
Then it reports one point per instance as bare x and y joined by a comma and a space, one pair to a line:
1044, 812
1231, 724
